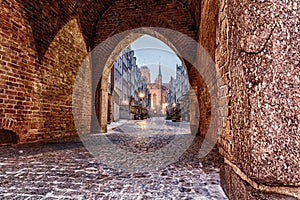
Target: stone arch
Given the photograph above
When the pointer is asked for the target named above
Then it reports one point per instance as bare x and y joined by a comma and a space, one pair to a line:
9, 124
101, 91
236, 57
167, 14
45, 22
8, 133
115, 20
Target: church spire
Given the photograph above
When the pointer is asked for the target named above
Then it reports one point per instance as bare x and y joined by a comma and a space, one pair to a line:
159, 77
159, 71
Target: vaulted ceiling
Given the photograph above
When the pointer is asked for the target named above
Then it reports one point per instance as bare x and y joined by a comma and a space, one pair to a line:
47, 17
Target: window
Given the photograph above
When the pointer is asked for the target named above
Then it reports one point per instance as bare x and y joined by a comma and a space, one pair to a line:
154, 100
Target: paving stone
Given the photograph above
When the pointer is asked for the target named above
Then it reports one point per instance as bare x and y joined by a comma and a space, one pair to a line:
68, 171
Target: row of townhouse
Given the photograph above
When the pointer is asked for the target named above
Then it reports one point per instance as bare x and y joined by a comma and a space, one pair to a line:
126, 83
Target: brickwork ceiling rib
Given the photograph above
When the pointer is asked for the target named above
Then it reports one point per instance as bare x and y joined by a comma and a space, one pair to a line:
47, 17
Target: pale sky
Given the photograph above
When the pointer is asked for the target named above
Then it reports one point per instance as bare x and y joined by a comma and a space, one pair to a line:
150, 51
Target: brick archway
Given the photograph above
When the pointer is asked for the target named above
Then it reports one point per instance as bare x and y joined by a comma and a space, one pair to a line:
120, 17
45, 22
173, 15
255, 48
9, 124
129, 37
8, 133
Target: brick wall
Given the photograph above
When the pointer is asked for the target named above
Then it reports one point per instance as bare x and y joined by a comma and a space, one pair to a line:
35, 87
18, 72
207, 40
42, 48
43, 44
126, 15
222, 61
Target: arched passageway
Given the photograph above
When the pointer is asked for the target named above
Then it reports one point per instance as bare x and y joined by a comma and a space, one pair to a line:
254, 45
198, 126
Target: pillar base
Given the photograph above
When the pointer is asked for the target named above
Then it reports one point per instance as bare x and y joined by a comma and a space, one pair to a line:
236, 188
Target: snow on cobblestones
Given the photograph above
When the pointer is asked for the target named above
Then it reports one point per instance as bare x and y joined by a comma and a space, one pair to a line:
66, 170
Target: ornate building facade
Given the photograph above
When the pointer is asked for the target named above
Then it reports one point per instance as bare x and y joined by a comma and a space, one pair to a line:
158, 92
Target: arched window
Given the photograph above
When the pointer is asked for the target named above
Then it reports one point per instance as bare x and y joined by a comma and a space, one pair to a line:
154, 100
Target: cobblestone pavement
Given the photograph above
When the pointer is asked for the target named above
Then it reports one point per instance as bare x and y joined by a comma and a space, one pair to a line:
66, 170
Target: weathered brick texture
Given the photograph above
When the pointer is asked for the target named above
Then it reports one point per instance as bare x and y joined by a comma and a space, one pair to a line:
43, 47
255, 46
44, 43
222, 61
36, 91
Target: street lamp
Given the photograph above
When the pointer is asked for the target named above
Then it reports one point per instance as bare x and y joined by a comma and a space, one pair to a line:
141, 97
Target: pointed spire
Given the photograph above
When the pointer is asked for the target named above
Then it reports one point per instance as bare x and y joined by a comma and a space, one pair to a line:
159, 70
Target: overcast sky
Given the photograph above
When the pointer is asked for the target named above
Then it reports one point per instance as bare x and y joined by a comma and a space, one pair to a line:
150, 51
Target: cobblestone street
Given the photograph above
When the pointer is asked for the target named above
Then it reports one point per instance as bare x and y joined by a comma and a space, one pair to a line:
66, 170
226, 75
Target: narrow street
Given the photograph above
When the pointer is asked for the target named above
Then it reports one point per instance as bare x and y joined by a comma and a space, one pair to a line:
66, 170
